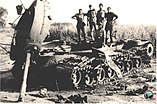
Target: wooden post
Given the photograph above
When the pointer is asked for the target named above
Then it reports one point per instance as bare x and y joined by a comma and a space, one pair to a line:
25, 75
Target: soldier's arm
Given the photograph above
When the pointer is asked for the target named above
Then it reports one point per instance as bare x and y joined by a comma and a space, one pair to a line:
74, 17
85, 14
115, 17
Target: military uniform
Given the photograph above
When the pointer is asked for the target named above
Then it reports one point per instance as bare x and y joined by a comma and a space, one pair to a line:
100, 18
109, 26
109, 17
80, 25
91, 15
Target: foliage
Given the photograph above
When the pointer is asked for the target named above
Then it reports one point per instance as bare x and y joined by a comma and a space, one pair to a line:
62, 31
136, 32
3, 13
67, 32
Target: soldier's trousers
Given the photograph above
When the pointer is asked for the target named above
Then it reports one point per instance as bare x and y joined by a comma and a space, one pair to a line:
79, 29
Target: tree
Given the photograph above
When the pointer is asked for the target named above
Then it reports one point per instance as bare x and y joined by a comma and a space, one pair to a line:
3, 14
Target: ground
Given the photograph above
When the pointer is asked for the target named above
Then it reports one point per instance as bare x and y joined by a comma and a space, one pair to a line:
111, 91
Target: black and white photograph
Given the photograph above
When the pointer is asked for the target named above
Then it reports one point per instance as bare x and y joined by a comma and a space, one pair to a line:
78, 51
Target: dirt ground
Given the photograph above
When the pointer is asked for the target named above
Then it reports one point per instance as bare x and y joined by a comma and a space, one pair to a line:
107, 93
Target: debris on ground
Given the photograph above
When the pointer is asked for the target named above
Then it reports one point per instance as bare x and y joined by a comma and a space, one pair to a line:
43, 92
137, 91
152, 71
71, 99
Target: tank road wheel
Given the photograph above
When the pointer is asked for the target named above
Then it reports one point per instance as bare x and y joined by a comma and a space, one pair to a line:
128, 65
89, 79
121, 66
149, 49
100, 74
110, 73
137, 62
76, 77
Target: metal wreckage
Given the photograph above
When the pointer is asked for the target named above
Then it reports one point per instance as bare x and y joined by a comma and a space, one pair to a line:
78, 65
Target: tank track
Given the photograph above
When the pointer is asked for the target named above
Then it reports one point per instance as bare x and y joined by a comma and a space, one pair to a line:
91, 71
85, 70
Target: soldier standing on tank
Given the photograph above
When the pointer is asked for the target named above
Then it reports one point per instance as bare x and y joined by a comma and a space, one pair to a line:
99, 39
80, 24
91, 19
100, 16
110, 17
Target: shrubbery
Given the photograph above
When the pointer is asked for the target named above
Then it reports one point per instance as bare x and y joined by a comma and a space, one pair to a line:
67, 32
3, 13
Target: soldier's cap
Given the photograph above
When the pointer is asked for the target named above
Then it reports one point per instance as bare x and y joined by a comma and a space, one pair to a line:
100, 4
108, 8
90, 5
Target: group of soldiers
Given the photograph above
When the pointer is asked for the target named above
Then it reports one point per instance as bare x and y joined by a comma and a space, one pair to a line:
95, 21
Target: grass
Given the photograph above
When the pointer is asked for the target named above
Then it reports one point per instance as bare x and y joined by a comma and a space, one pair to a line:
67, 32
136, 32
62, 31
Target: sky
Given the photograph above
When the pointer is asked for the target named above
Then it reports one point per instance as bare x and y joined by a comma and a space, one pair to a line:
128, 11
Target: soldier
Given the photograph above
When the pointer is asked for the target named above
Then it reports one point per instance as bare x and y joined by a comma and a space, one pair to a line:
99, 39
110, 17
100, 16
80, 24
91, 19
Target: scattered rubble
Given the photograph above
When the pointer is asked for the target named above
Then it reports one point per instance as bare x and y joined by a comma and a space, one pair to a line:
43, 93
71, 99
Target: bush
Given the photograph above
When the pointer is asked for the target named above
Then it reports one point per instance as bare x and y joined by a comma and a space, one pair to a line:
136, 32
67, 32
62, 31
3, 13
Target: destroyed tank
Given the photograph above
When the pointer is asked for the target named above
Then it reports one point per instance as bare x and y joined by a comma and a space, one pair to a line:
88, 65
64, 66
